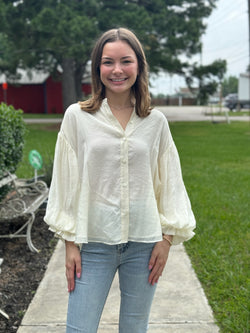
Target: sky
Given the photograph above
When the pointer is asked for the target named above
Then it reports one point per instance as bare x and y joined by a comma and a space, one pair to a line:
226, 37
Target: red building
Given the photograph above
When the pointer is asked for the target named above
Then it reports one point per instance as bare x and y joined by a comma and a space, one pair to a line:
36, 93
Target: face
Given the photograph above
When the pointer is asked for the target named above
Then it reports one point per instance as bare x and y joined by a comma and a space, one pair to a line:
119, 67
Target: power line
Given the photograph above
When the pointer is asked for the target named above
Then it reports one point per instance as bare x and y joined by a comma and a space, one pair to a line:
218, 14
237, 58
224, 21
221, 16
233, 47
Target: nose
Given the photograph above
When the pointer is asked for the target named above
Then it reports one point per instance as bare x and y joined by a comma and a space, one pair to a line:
117, 68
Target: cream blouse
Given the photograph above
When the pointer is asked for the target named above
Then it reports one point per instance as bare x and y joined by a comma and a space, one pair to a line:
112, 185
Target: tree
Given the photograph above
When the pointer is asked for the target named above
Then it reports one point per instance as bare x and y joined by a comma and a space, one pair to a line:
208, 76
54, 33
167, 28
230, 85
8, 54
49, 33
8, 60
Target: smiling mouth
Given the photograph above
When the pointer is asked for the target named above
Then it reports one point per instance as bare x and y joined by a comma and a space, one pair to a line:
118, 80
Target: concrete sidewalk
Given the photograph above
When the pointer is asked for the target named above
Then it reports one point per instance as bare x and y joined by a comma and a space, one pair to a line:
180, 305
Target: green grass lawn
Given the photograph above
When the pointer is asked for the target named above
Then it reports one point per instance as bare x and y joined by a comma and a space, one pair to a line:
216, 110
216, 168
230, 113
42, 115
41, 137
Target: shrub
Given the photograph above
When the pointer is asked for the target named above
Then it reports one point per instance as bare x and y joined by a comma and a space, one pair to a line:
12, 130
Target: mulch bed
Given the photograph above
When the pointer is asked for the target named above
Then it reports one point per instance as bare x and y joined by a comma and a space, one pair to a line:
22, 271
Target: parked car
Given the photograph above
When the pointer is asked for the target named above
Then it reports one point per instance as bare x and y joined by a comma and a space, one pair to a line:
231, 101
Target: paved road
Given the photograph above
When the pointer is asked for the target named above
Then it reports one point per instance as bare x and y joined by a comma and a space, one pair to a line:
198, 113
174, 113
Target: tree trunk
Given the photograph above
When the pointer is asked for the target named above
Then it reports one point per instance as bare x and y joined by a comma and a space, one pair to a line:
78, 80
68, 82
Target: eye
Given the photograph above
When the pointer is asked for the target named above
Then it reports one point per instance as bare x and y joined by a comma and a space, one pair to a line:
107, 62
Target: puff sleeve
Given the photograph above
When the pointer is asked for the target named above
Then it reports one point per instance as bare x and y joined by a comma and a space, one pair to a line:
61, 213
174, 206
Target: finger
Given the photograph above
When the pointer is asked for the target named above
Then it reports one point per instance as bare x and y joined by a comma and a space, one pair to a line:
154, 275
152, 265
78, 268
152, 261
155, 278
70, 287
71, 278
156, 271
68, 282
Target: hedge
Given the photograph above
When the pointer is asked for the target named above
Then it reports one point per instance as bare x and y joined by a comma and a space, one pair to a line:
12, 131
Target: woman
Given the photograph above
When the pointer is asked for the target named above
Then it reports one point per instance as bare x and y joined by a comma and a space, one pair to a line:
117, 190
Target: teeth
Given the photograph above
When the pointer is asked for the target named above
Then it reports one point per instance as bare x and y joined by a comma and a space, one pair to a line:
118, 80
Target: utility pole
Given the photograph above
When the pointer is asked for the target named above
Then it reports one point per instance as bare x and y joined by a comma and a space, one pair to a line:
249, 51
249, 30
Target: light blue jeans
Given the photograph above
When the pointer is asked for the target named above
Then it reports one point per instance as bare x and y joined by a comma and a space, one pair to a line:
99, 265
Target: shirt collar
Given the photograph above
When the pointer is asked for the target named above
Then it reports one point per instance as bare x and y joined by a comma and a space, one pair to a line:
134, 119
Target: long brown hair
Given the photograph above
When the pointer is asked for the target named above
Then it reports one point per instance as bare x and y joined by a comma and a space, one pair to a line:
140, 87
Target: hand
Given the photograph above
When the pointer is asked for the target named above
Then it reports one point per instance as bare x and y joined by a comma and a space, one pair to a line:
73, 264
158, 260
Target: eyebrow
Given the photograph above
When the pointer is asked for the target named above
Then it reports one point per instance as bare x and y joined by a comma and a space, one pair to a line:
125, 57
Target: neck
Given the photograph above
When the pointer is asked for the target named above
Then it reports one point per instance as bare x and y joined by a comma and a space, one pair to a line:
119, 107
120, 101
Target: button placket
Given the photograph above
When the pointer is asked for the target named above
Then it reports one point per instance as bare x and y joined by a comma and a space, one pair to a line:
124, 190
